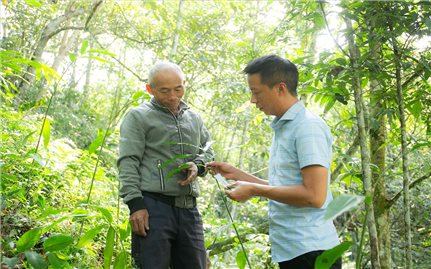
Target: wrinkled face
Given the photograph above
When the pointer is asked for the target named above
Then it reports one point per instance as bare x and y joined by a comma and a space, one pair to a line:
168, 89
264, 97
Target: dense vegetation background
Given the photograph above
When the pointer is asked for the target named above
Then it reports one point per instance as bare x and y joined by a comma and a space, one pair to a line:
71, 69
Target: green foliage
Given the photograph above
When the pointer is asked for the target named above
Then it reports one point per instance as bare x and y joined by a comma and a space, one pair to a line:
328, 257
44, 191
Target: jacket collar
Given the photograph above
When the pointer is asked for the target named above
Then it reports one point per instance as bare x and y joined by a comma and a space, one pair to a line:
183, 106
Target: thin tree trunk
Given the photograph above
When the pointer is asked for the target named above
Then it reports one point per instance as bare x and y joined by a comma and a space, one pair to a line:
406, 173
378, 153
177, 31
88, 71
50, 30
365, 154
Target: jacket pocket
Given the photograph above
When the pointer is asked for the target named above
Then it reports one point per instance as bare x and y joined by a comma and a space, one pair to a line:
161, 176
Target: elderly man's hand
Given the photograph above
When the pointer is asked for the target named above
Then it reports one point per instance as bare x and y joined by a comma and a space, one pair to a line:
192, 173
139, 221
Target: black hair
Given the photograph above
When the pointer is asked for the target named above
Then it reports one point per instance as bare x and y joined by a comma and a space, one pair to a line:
274, 69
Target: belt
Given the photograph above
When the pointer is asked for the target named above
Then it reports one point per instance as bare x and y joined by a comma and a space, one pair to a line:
182, 201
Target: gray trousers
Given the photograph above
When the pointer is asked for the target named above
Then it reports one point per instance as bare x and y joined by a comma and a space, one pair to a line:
175, 239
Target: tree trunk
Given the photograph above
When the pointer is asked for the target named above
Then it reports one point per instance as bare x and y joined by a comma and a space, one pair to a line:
378, 152
177, 31
365, 153
88, 70
404, 152
50, 30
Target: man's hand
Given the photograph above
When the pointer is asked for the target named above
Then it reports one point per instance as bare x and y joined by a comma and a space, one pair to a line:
139, 221
192, 173
240, 191
225, 169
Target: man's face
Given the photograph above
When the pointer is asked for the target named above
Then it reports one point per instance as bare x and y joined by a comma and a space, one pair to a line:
264, 97
168, 89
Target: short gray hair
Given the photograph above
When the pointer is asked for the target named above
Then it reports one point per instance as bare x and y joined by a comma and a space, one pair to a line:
163, 66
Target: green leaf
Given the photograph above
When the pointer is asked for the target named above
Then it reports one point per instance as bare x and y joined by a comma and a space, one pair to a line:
72, 57
84, 46
240, 260
137, 95
106, 214
109, 248
120, 260
57, 262
342, 204
102, 51
10, 262
57, 242
328, 257
329, 105
97, 142
420, 145
88, 236
38, 159
180, 156
177, 170
28, 239
33, 3
36, 260
46, 132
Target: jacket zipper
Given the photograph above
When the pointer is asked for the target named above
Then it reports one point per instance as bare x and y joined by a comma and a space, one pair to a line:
161, 177
177, 122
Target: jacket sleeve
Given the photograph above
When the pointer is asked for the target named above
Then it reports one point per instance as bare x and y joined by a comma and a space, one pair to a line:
206, 153
131, 151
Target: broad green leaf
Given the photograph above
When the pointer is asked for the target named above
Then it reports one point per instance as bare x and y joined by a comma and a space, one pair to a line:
28, 239
46, 132
56, 262
88, 236
84, 46
109, 248
342, 204
120, 260
57, 242
137, 95
10, 262
328, 257
329, 104
33, 3
240, 260
106, 214
36, 260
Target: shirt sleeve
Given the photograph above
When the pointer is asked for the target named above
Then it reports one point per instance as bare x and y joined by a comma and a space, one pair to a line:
313, 144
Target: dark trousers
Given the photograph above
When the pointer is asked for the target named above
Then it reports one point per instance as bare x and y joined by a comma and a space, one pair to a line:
306, 261
175, 239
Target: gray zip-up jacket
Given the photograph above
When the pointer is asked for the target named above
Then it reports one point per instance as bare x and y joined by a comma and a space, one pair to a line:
153, 144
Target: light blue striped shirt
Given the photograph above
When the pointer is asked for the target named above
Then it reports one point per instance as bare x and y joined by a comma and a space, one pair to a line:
300, 139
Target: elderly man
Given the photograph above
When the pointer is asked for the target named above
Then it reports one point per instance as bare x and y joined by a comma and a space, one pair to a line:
163, 148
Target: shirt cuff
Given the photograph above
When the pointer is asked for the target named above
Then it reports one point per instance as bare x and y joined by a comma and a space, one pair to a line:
136, 204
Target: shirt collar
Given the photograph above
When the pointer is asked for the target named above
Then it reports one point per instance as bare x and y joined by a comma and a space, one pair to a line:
290, 114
